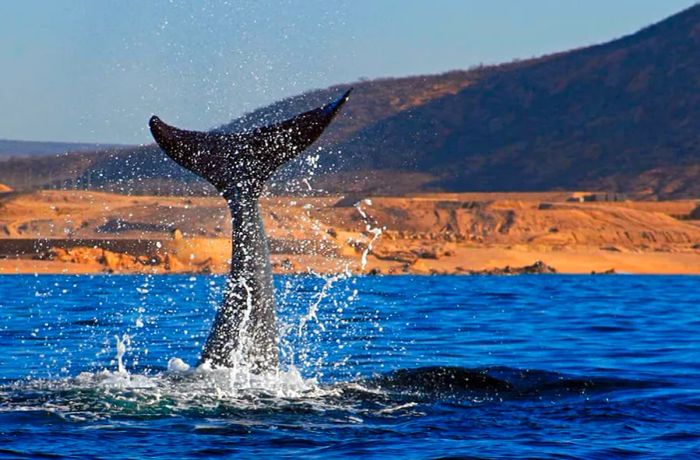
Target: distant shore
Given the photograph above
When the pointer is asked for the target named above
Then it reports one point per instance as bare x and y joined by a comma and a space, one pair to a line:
464, 262
74, 232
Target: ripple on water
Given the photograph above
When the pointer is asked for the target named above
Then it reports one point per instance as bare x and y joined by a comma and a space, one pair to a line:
426, 367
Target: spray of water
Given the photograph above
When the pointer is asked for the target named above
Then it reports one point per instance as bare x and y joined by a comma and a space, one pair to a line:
122, 344
244, 336
312, 313
376, 232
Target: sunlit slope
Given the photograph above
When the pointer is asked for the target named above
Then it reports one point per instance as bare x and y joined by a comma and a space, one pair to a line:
623, 116
145, 169
431, 233
620, 116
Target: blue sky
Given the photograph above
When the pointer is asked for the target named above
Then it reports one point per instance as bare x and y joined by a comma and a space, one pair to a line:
84, 70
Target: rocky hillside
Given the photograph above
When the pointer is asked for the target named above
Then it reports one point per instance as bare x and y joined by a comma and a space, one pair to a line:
146, 170
623, 115
619, 116
431, 233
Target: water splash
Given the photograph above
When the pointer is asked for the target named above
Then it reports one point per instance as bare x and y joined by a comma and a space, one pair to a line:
376, 232
244, 337
203, 392
185, 386
122, 345
312, 312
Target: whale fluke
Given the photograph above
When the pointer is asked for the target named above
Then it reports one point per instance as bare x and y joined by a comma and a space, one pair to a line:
256, 154
238, 164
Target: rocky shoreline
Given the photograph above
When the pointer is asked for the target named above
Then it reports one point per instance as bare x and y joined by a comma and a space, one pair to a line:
467, 234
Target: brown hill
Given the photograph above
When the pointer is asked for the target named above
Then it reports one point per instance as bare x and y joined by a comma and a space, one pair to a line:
624, 115
146, 170
619, 116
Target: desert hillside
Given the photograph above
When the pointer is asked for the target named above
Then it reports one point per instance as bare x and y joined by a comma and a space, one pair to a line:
620, 116
58, 231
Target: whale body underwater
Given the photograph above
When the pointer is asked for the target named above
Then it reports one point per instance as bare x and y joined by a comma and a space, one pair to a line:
238, 164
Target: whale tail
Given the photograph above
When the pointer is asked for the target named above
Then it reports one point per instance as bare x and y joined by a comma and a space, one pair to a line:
231, 161
237, 165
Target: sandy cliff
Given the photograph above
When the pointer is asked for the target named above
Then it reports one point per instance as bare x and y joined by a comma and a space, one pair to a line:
58, 231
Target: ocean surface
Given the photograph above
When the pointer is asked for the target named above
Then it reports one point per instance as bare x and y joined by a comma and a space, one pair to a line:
411, 367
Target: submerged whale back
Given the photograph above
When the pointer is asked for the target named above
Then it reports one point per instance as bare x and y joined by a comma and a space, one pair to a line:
238, 164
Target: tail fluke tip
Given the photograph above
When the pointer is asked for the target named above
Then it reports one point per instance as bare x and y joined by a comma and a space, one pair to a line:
335, 105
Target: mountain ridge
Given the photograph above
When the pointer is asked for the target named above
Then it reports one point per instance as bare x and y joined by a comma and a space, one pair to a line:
22, 148
620, 116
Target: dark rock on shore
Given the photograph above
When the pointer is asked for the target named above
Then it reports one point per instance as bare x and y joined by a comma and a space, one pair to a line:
538, 268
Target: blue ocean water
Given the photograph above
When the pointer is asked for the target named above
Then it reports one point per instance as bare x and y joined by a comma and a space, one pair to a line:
417, 367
